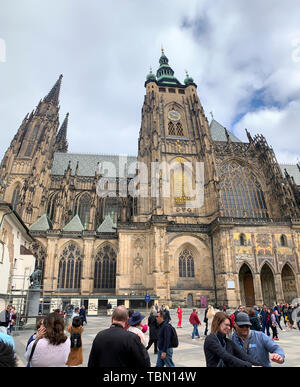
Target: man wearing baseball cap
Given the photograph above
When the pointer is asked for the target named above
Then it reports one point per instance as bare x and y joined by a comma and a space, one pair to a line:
255, 343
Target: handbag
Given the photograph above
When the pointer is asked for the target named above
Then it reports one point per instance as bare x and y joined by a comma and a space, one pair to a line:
31, 353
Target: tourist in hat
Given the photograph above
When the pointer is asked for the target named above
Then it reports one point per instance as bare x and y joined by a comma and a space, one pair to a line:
256, 344
220, 351
135, 326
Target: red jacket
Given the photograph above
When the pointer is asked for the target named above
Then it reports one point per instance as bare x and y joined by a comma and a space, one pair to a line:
194, 319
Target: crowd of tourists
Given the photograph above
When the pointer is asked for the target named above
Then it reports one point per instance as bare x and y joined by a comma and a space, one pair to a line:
239, 339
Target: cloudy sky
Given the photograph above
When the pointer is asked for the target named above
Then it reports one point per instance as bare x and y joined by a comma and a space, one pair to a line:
244, 56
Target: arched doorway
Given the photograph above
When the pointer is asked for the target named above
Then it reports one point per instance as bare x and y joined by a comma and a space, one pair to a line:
288, 283
246, 286
267, 285
190, 300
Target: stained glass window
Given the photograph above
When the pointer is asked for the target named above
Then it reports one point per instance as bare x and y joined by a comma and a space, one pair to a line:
70, 265
186, 264
241, 193
105, 268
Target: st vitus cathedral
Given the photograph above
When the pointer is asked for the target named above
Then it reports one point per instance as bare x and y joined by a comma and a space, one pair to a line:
241, 246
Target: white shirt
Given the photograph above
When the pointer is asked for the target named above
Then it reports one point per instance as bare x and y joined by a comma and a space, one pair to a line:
138, 332
49, 355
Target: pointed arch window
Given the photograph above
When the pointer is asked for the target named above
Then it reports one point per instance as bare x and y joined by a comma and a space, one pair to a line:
113, 208
241, 192
105, 269
186, 264
283, 240
70, 265
84, 208
242, 240
51, 210
16, 197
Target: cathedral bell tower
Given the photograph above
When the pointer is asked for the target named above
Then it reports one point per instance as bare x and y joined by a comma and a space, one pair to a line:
175, 132
25, 168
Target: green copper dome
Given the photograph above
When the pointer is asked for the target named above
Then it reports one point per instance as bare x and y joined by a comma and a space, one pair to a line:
165, 74
188, 80
151, 76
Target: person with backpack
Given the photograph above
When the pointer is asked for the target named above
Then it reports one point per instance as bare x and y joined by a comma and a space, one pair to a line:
165, 345
75, 329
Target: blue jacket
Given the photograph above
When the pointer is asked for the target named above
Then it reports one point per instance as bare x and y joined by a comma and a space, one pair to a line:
259, 347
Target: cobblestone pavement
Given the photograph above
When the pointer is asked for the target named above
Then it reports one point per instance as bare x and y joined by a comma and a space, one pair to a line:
189, 353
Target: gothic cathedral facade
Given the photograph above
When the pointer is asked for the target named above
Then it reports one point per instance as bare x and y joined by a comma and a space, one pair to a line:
242, 245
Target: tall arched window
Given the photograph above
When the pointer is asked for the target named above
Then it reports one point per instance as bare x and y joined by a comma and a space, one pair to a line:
175, 129
113, 207
105, 268
51, 210
283, 240
242, 240
16, 197
183, 189
70, 264
242, 194
186, 264
84, 207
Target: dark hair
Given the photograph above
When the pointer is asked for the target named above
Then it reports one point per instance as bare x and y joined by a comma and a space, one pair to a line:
39, 323
76, 322
54, 324
7, 355
130, 312
162, 314
219, 317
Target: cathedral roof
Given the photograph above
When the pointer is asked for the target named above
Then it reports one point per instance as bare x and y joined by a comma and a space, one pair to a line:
88, 164
218, 132
292, 170
74, 225
42, 224
107, 225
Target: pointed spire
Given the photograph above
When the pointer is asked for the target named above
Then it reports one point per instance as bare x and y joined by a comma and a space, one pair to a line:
53, 95
61, 138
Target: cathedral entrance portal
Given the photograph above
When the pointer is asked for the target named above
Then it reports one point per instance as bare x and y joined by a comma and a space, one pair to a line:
288, 284
246, 286
267, 285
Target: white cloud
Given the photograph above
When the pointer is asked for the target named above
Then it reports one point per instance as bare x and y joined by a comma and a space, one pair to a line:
104, 49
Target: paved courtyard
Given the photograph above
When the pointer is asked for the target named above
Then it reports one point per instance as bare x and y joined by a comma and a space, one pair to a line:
189, 353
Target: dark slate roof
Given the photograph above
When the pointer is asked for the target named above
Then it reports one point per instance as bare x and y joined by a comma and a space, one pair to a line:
292, 170
218, 132
89, 164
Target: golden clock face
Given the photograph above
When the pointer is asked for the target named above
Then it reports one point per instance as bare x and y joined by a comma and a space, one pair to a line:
173, 115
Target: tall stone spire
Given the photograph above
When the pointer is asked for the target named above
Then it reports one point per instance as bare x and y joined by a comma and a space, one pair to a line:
53, 95
61, 138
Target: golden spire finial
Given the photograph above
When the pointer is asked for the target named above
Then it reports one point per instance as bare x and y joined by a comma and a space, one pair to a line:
162, 49
150, 69
186, 72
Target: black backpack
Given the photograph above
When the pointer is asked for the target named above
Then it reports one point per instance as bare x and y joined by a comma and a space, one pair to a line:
174, 338
75, 340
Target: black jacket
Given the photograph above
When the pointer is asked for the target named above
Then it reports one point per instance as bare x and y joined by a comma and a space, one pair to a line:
153, 327
4, 319
116, 347
232, 356
255, 323
164, 336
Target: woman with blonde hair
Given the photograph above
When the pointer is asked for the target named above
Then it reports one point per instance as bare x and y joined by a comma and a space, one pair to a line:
210, 315
220, 351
